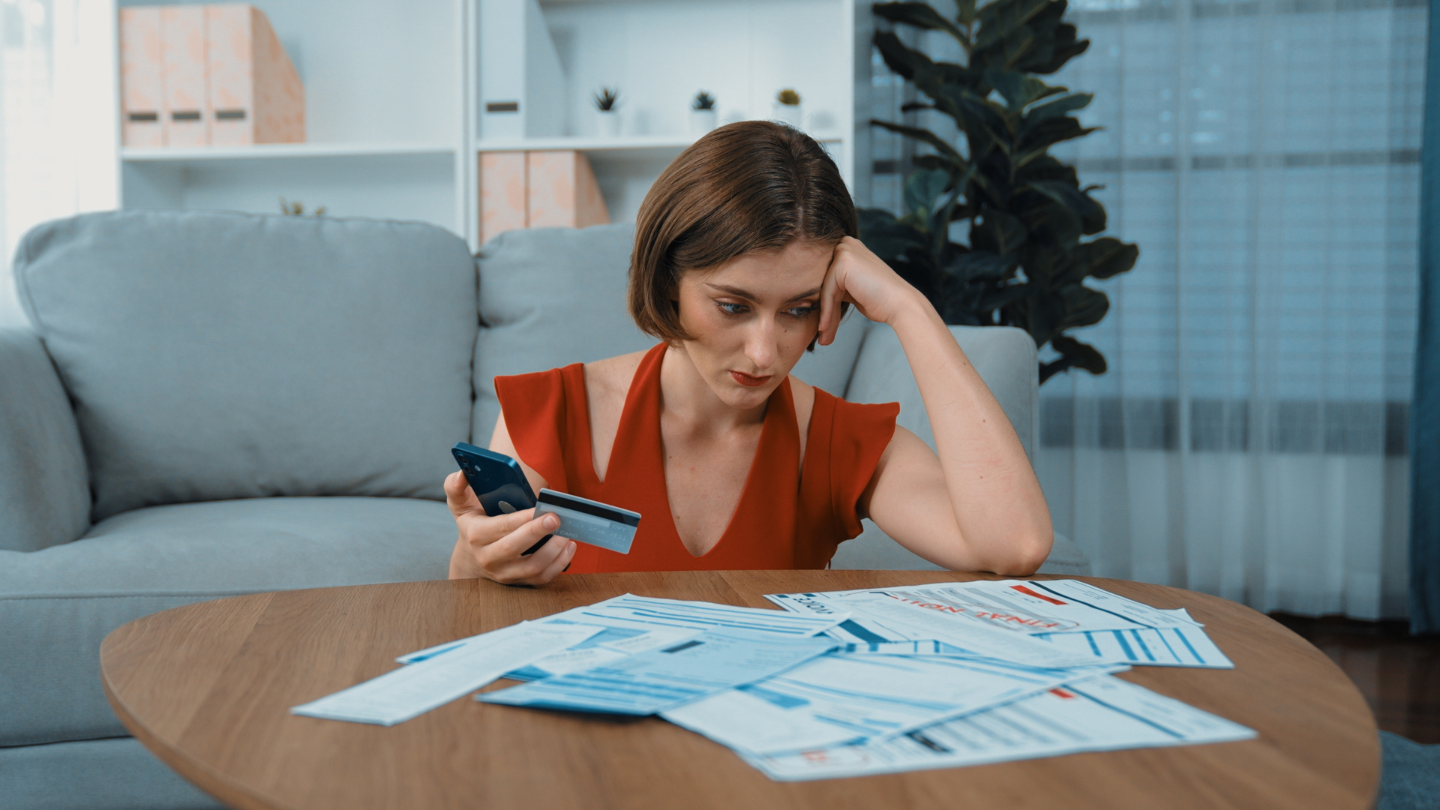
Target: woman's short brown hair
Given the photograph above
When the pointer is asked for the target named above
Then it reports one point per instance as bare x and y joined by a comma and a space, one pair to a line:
755, 186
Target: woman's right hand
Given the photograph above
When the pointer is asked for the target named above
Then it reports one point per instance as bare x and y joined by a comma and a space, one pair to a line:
490, 547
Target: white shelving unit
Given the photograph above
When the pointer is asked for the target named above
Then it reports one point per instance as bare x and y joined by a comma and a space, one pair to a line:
658, 54
401, 98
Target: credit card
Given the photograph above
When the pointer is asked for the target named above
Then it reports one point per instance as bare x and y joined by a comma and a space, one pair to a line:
587, 521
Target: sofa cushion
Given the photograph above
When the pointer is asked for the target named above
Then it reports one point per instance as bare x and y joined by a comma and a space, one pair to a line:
213, 356
57, 605
1005, 358
829, 367
44, 500
550, 297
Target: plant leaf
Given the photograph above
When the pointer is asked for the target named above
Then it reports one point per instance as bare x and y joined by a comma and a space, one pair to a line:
1091, 213
920, 15
1001, 17
1083, 307
1058, 107
1103, 258
1083, 355
979, 266
999, 231
923, 188
925, 136
965, 11
1018, 89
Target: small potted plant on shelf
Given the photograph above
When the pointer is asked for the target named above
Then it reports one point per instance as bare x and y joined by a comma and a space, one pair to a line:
607, 112
702, 113
787, 107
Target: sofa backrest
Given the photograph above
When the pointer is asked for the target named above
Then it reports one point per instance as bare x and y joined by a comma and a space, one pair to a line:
212, 356
1004, 357
550, 297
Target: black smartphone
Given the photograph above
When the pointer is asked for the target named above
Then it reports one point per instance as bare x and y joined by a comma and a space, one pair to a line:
498, 482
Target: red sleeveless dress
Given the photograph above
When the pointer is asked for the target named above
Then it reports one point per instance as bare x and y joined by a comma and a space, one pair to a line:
788, 517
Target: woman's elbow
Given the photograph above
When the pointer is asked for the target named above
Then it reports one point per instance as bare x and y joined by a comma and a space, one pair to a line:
1025, 554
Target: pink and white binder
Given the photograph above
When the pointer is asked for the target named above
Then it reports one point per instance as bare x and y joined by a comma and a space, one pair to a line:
186, 96
142, 88
255, 94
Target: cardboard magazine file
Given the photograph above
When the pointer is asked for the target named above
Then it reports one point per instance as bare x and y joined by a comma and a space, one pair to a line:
503, 194
562, 191
185, 95
142, 88
255, 94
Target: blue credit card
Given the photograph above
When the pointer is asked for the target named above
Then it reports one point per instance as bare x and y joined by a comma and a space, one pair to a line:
587, 521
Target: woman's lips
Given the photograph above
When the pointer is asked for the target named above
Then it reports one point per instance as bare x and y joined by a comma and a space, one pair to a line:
748, 381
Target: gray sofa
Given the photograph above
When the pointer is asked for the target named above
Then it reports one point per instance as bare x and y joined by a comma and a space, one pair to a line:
213, 404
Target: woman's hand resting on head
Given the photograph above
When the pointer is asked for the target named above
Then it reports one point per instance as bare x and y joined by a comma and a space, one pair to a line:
860, 277
490, 547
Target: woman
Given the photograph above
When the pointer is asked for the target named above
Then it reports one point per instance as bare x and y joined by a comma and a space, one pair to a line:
745, 256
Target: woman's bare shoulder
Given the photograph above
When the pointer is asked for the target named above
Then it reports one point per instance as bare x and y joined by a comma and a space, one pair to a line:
610, 378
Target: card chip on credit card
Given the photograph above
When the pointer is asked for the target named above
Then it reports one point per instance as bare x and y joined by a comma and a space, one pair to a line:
588, 521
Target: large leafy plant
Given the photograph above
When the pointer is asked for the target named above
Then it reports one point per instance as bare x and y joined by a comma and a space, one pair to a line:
1027, 257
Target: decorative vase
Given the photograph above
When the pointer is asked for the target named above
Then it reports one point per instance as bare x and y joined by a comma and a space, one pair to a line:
701, 121
787, 114
607, 123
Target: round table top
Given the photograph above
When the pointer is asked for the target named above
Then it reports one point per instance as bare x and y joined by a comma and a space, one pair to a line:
208, 688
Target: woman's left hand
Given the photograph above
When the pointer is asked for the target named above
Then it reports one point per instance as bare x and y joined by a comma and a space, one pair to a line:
858, 276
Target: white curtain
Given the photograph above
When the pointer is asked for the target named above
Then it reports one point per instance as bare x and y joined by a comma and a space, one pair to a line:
1249, 438
58, 119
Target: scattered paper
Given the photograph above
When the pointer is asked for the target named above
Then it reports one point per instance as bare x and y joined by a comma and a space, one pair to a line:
649, 682
842, 698
1171, 647
1097, 714
415, 689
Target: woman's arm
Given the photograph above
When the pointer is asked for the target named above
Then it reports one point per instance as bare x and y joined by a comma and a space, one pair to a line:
978, 506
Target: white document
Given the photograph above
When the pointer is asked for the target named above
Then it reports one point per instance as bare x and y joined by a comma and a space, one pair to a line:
841, 698
1185, 646
648, 613
1032, 607
634, 624
648, 682
1096, 714
415, 689
921, 620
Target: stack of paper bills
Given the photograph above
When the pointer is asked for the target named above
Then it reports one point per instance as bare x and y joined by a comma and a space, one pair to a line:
843, 683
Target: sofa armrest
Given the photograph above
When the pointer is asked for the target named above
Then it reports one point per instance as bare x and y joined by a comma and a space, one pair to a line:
44, 490
1004, 356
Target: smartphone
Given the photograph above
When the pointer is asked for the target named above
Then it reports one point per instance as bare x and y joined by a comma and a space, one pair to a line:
498, 482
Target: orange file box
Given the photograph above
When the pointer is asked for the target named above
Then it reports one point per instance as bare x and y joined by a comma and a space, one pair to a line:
255, 95
562, 191
142, 86
550, 189
503, 193
185, 94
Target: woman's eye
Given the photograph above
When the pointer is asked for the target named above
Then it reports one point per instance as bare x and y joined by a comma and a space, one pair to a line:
800, 312
733, 309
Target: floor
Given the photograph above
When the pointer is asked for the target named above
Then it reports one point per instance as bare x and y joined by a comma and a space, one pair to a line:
1398, 674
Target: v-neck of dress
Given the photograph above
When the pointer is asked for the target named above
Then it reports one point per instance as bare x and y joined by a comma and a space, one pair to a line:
639, 445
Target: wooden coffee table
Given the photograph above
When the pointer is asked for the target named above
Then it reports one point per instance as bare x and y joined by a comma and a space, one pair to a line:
208, 688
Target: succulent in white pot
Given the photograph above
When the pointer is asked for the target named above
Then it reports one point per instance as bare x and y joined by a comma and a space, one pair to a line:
702, 113
607, 112
787, 108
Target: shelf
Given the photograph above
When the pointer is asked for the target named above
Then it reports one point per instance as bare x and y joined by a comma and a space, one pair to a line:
277, 151
626, 145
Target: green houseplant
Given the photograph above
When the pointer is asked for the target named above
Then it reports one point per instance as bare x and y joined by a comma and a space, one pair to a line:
1027, 215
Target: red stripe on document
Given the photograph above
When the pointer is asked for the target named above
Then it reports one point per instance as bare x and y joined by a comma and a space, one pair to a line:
1037, 595
1058, 692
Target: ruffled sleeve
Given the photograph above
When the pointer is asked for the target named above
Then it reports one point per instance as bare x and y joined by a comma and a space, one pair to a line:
534, 406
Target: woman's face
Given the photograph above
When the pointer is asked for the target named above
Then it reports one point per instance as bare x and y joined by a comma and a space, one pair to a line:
752, 318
